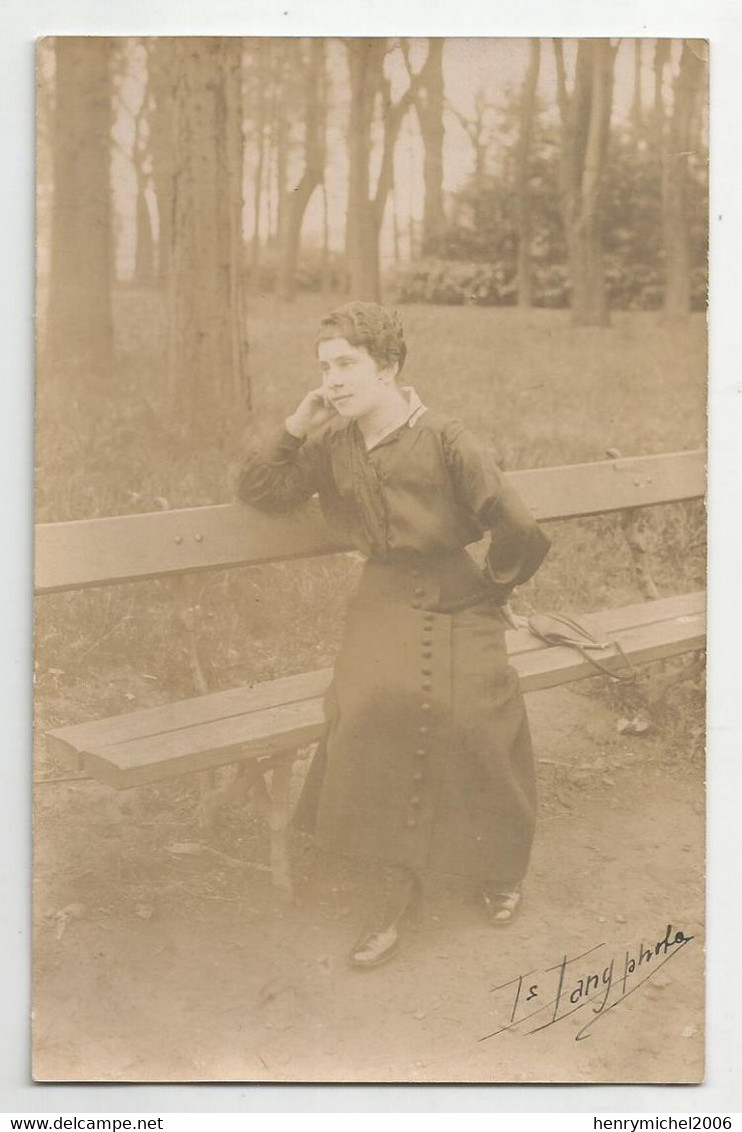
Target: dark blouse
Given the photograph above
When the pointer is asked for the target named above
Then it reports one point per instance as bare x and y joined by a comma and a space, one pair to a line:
429, 488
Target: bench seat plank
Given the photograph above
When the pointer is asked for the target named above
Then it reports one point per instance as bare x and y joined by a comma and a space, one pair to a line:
642, 643
210, 731
93, 552
188, 713
305, 685
209, 745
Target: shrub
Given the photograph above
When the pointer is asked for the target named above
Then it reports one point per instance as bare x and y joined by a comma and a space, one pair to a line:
310, 272
453, 283
630, 287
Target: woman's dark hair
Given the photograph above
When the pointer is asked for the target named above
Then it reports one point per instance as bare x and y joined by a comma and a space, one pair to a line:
369, 325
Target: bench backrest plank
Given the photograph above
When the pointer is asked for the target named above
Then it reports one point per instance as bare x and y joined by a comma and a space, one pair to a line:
94, 552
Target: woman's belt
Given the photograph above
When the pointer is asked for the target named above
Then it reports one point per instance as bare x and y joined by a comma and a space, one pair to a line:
442, 583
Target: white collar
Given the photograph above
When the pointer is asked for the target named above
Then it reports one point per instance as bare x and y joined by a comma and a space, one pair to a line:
416, 406
416, 409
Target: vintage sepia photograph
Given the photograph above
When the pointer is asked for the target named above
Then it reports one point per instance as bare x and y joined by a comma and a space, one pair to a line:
370, 560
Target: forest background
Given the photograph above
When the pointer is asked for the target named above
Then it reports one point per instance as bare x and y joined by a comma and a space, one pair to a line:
206, 172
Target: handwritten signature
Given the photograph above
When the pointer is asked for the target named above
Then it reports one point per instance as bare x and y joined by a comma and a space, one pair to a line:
567, 994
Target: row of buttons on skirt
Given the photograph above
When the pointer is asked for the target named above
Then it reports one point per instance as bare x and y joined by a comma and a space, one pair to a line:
426, 671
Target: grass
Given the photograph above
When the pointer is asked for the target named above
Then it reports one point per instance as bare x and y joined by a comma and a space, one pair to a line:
538, 390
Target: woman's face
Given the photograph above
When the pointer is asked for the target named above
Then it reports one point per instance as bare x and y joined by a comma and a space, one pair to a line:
354, 383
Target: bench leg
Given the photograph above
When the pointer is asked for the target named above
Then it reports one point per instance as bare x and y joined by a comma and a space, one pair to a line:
232, 793
206, 791
278, 823
275, 803
631, 524
690, 671
631, 521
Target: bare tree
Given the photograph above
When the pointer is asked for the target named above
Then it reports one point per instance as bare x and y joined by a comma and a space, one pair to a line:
131, 56
479, 131
637, 112
429, 104
324, 106
585, 115
285, 68
313, 172
522, 159
261, 129
659, 62
675, 137
80, 319
160, 107
207, 339
369, 85
145, 253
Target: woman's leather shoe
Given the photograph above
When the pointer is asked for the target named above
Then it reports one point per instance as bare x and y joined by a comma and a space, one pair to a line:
375, 947
397, 899
502, 906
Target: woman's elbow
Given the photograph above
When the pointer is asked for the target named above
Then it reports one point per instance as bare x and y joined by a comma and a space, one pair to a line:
536, 549
263, 493
247, 486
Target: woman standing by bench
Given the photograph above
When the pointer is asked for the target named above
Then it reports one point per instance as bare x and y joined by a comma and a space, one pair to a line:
427, 763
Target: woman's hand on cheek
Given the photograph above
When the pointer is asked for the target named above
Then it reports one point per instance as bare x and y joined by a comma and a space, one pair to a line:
312, 412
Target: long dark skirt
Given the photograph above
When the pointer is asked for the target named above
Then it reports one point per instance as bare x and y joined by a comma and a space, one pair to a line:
427, 761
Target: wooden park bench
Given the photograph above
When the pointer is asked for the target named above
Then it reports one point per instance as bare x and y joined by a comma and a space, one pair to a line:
263, 726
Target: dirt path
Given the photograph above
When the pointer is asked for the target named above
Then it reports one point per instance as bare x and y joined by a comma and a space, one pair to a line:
154, 965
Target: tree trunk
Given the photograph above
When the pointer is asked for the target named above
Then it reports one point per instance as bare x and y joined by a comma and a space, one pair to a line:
396, 243
271, 187
674, 158
260, 126
145, 254
586, 120
429, 105
476, 131
327, 283
636, 102
314, 162
79, 340
412, 232
365, 57
207, 334
661, 57
589, 305
160, 81
366, 212
326, 275
522, 191
289, 60
233, 173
